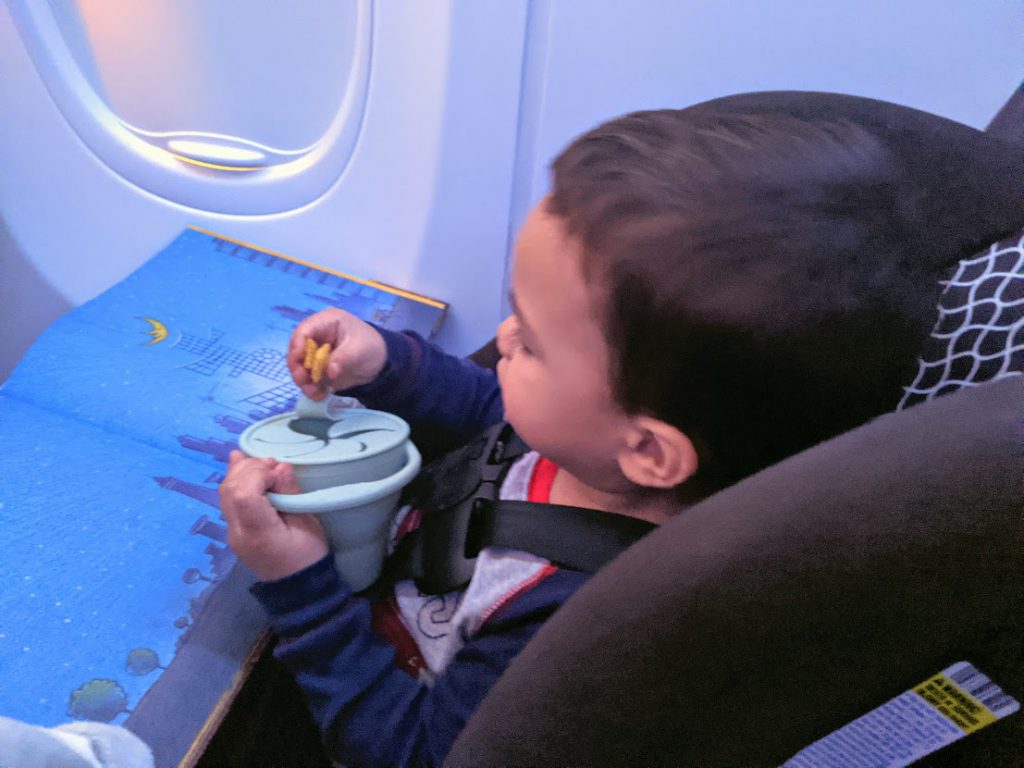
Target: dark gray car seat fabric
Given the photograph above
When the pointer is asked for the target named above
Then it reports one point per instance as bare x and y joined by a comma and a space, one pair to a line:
975, 197
780, 609
962, 190
1009, 121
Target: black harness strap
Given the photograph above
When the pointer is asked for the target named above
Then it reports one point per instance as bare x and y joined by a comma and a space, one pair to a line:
441, 554
574, 537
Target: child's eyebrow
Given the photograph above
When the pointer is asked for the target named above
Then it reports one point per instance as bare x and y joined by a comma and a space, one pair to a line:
519, 315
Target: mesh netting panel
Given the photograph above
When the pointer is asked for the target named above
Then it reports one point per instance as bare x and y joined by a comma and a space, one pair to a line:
979, 335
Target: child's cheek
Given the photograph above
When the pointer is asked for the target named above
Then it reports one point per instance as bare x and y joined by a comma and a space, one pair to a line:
512, 395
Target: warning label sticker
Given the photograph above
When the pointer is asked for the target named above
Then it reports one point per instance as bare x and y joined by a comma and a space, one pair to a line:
955, 703
946, 707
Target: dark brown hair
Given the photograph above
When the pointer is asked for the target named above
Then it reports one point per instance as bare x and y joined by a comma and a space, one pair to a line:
752, 274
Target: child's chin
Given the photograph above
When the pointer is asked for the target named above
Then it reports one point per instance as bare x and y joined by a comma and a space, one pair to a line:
518, 428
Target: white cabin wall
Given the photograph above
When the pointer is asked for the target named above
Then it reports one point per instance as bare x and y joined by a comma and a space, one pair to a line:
28, 302
590, 60
459, 129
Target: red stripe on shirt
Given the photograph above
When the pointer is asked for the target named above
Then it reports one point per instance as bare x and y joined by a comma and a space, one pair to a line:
541, 480
512, 594
387, 623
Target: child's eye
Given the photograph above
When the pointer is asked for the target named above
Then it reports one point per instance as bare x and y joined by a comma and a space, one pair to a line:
516, 337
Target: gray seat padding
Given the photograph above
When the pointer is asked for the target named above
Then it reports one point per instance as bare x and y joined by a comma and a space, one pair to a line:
776, 611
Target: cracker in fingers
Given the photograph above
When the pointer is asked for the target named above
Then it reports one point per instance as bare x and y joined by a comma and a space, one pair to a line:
307, 363
320, 359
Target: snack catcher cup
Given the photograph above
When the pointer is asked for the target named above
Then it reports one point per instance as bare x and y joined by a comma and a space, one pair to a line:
351, 465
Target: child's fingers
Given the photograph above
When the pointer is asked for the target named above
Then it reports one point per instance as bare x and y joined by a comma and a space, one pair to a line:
305, 524
333, 368
283, 479
297, 347
313, 392
296, 359
273, 545
244, 495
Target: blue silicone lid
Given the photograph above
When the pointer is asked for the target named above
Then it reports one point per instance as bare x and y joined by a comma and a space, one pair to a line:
354, 434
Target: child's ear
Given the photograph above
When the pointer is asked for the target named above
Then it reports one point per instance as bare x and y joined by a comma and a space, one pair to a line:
657, 455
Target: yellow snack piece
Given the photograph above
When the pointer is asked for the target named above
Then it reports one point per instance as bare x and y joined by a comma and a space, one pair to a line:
307, 363
320, 362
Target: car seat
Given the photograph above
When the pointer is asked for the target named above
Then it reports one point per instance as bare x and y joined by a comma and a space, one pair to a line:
786, 606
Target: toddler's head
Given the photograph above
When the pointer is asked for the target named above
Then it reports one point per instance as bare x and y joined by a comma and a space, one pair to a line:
703, 294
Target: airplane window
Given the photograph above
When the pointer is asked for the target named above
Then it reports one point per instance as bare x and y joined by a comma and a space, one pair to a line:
216, 67
229, 106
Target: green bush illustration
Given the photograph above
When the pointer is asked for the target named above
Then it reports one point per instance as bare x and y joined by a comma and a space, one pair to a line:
142, 661
101, 700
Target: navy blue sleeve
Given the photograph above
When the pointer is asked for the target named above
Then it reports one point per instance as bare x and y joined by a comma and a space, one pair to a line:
369, 711
447, 400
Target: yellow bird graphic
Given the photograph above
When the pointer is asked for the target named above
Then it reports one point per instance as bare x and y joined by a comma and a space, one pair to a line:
158, 332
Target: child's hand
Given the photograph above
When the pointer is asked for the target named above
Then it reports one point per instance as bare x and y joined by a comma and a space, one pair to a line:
358, 352
273, 544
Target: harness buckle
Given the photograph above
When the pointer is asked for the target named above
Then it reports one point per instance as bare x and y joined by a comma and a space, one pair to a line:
448, 544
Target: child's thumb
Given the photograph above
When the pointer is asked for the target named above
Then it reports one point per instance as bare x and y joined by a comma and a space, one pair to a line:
283, 479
